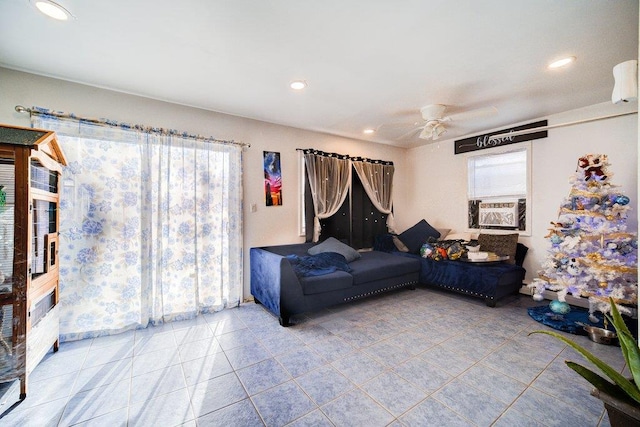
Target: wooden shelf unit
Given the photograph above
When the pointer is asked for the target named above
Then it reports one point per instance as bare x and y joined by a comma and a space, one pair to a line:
31, 175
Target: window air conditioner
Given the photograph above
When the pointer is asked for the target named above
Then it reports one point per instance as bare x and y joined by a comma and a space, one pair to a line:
498, 214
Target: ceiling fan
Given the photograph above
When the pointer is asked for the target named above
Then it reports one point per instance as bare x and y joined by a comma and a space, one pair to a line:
433, 124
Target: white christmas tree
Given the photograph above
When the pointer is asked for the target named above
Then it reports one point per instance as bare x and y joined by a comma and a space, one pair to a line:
591, 254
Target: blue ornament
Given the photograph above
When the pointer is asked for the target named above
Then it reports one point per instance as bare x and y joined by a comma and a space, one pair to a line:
559, 307
622, 200
555, 239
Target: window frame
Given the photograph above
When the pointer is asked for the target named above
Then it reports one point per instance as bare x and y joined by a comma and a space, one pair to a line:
496, 151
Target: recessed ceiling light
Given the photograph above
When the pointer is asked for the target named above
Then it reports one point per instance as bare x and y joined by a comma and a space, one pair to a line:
53, 10
369, 131
562, 62
298, 84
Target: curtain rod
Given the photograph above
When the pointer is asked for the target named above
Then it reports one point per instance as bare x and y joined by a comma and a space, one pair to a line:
35, 111
559, 125
346, 156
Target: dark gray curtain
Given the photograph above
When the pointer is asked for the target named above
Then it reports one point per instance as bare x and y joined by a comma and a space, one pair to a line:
357, 222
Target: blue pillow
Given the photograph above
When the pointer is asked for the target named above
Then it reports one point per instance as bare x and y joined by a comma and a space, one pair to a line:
416, 236
334, 245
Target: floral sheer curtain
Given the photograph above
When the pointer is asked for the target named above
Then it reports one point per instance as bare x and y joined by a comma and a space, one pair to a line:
377, 180
329, 179
151, 227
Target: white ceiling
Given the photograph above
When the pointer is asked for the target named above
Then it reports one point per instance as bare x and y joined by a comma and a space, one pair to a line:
367, 63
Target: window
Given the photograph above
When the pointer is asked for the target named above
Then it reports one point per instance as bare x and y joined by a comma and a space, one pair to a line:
498, 190
150, 226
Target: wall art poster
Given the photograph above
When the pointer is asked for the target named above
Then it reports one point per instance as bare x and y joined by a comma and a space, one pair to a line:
272, 179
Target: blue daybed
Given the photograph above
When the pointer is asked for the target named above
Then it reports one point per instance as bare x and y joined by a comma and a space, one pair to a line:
275, 284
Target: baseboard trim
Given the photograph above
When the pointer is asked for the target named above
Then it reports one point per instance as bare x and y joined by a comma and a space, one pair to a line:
553, 295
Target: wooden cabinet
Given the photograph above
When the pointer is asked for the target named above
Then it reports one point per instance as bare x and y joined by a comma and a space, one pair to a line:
30, 175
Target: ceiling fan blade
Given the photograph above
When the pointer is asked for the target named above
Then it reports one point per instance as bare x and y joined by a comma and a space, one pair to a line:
472, 114
410, 134
384, 126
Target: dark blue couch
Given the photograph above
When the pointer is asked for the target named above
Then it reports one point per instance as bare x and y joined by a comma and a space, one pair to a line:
275, 284
490, 281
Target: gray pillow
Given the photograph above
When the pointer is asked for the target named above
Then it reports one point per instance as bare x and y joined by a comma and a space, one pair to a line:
334, 245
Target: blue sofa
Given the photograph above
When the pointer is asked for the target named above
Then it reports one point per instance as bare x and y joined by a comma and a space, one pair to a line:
275, 285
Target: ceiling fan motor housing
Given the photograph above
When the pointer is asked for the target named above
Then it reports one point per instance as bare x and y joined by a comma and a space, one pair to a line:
433, 111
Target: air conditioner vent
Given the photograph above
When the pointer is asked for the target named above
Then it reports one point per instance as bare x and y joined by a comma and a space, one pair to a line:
499, 214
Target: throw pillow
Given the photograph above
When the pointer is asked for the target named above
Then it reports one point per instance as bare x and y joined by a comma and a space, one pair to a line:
334, 245
399, 245
501, 244
444, 232
414, 237
458, 236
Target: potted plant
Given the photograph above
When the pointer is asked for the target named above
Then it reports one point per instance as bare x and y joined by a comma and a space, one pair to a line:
621, 397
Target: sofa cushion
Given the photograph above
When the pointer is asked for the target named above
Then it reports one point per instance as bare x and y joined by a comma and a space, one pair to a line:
501, 244
334, 245
326, 283
376, 265
414, 237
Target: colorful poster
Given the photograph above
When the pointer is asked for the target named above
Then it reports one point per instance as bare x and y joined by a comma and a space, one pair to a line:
272, 179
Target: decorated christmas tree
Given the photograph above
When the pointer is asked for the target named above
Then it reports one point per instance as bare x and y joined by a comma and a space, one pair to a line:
591, 254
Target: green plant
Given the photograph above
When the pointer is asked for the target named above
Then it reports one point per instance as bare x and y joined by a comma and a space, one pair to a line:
622, 387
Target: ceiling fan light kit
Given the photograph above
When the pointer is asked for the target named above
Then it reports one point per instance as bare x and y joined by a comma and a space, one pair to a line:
432, 130
438, 131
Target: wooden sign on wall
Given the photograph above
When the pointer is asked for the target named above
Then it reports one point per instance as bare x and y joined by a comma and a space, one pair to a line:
481, 142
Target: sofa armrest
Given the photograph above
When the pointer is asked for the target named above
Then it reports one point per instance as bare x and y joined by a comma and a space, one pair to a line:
274, 283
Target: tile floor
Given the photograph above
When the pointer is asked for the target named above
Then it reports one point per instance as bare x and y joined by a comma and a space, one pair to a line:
414, 358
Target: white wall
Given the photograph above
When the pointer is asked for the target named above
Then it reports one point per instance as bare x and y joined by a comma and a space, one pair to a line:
430, 181
269, 225
437, 177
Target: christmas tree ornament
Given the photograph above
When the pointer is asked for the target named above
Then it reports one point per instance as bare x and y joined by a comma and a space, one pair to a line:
573, 268
559, 307
622, 200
